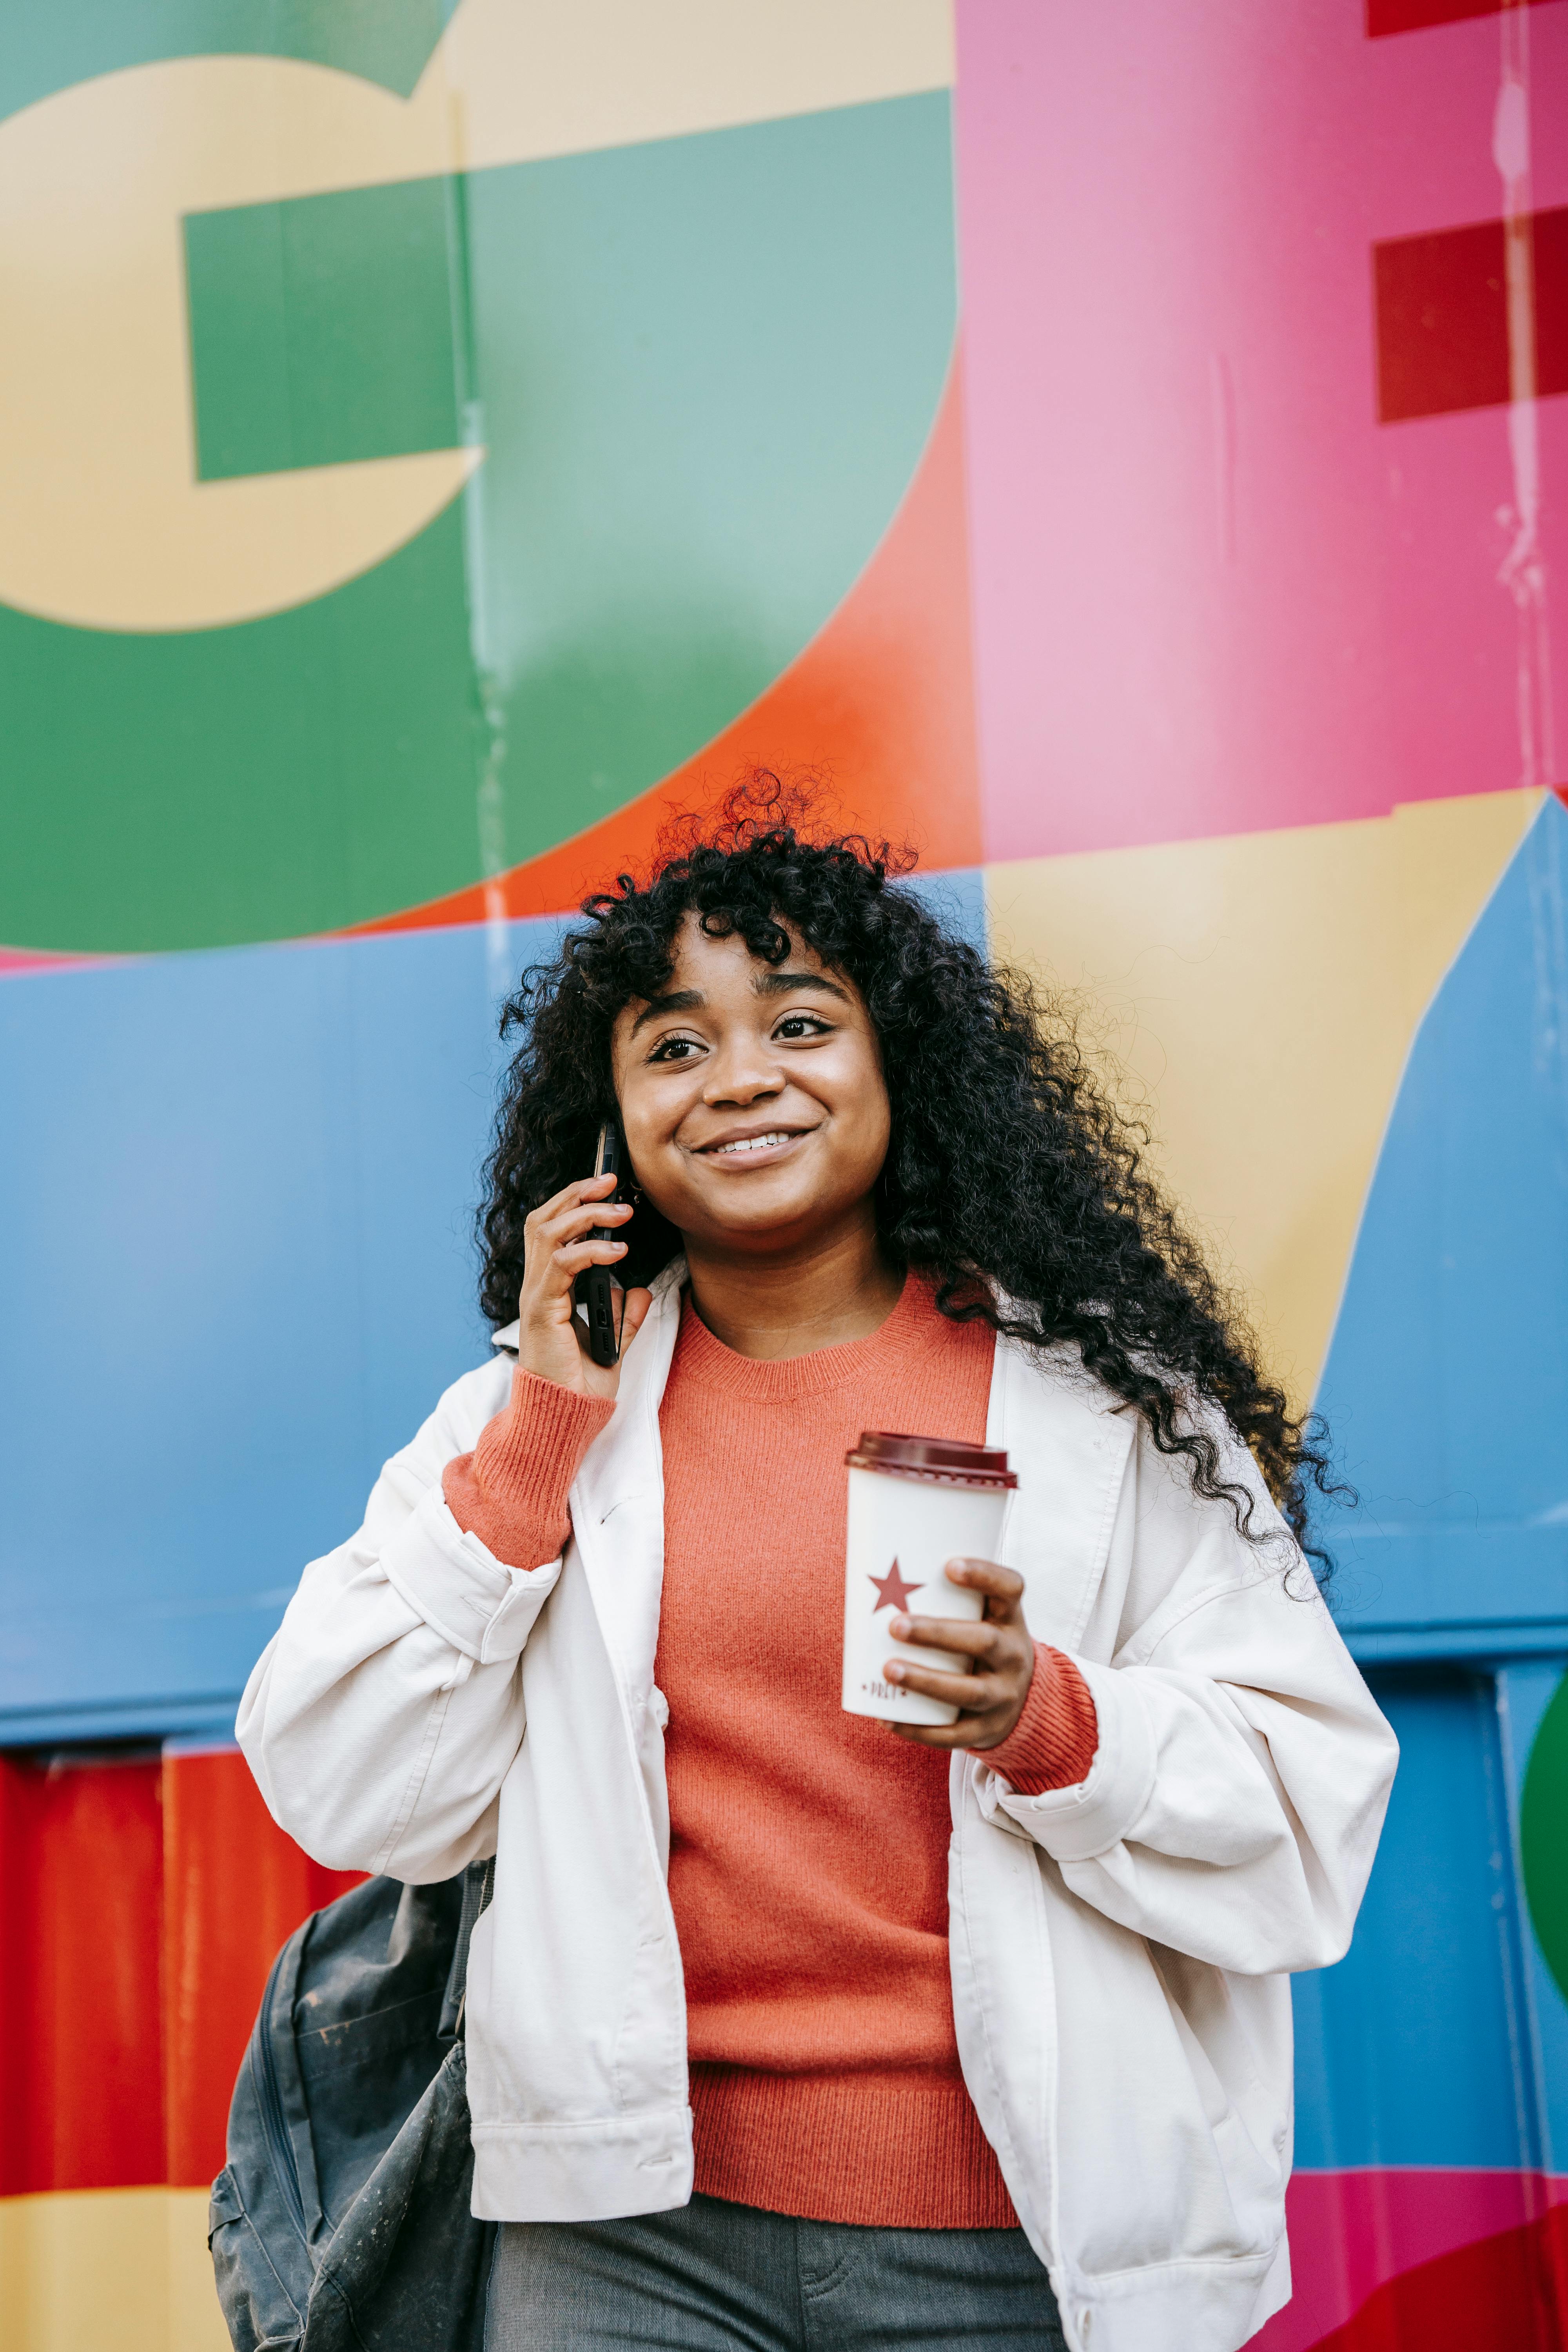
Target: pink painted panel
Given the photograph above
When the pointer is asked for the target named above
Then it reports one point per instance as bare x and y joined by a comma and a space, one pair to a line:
1213, 594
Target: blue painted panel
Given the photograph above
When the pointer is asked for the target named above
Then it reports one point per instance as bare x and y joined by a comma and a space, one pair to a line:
236, 1271
1410, 2051
957, 898
235, 1191
1447, 1381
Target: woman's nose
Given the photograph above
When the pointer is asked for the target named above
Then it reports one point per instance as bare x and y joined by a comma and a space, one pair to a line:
741, 1073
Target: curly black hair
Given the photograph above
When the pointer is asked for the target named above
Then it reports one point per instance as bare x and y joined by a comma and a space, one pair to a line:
1011, 1176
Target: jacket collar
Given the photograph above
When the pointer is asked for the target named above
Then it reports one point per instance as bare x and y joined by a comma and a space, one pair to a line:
622, 1477
626, 1457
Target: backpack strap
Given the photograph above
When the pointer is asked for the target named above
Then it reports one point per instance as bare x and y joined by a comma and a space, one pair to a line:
479, 1885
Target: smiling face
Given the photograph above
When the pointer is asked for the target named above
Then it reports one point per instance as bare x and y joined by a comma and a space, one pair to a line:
752, 1097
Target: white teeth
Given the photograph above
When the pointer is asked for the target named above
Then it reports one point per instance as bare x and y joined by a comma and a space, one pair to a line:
753, 1143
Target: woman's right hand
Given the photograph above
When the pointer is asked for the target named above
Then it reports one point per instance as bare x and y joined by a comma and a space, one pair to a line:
551, 1341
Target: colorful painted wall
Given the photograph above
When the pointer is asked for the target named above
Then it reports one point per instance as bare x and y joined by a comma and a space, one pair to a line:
1124, 450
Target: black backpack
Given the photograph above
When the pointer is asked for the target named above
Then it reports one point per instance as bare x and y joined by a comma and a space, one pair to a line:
341, 2222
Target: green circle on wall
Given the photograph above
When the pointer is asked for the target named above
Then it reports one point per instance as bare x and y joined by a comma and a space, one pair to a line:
1543, 1835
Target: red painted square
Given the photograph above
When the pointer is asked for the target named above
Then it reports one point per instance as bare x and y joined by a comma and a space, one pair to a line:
1414, 16
1442, 317
234, 1889
83, 1852
143, 1903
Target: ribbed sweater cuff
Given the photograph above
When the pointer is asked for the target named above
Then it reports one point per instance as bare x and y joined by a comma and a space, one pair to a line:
1052, 1743
511, 1490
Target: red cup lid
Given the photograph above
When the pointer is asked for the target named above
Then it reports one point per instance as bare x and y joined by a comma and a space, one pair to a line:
930, 1457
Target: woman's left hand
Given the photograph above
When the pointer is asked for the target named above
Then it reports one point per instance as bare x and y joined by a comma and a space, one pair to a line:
999, 1660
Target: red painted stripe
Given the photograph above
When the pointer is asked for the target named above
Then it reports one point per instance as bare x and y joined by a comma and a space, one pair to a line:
82, 1848
234, 1888
1507, 2291
1442, 317
1414, 16
1353, 2233
145, 1904
16, 959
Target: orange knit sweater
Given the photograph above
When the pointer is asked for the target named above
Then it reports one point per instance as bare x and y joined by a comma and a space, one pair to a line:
808, 1848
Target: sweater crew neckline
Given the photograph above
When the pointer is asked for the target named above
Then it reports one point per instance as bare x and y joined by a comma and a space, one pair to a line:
914, 1324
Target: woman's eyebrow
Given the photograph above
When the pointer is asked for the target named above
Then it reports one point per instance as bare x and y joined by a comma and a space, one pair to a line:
779, 984
679, 1000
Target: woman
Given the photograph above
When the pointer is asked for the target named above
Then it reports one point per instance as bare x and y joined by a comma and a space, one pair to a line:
786, 2027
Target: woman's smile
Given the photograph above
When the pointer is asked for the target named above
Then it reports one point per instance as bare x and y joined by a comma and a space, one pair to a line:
743, 1151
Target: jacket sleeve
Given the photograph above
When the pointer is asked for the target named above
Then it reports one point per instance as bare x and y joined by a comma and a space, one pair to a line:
382, 1717
1233, 1808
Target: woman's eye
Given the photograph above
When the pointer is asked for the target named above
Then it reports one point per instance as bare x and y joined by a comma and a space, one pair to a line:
674, 1049
800, 1024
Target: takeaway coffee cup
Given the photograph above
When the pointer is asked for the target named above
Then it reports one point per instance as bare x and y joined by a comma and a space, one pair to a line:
915, 1503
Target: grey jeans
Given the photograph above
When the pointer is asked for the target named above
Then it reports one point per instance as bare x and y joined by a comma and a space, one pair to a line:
714, 2276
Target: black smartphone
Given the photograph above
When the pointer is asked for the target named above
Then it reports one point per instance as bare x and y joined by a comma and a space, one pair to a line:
597, 1293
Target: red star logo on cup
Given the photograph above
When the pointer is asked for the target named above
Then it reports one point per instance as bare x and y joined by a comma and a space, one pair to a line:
893, 1592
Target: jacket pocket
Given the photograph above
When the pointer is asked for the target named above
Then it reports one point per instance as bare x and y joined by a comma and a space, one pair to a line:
1173, 2120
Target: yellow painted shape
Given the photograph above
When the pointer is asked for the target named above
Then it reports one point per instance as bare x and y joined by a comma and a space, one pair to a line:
108, 2270
1258, 996
102, 521
531, 78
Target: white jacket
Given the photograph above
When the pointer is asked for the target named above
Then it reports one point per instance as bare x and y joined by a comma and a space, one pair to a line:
1120, 1951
